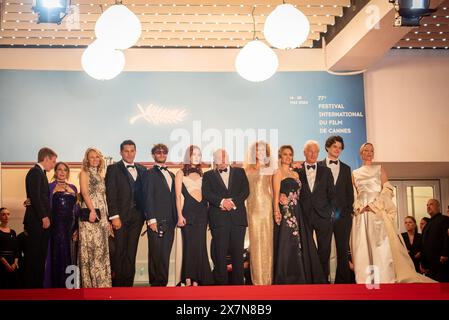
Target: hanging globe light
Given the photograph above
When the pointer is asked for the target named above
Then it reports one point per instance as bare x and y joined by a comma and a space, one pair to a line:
101, 62
119, 27
286, 27
256, 61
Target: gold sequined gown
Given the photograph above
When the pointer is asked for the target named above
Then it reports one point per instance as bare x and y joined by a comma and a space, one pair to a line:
260, 225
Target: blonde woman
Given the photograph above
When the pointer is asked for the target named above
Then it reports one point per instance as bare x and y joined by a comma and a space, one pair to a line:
260, 213
378, 254
93, 229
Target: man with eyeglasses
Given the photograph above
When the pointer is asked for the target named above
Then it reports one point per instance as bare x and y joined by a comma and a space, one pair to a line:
161, 216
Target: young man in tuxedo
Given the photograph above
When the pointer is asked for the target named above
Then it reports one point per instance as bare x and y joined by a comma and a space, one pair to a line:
160, 214
37, 218
124, 198
344, 193
226, 189
317, 200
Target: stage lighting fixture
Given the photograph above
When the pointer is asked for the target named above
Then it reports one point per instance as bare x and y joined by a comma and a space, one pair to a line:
50, 11
410, 12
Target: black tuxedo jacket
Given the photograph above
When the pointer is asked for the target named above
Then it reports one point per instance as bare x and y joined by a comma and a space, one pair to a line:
214, 190
120, 194
320, 200
159, 201
344, 192
38, 192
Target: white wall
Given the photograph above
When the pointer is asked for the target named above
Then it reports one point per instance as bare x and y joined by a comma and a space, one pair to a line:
407, 106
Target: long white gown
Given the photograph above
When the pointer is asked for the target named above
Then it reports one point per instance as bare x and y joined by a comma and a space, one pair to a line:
378, 252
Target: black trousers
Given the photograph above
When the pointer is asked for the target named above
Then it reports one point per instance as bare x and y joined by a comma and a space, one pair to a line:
123, 255
34, 261
228, 239
159, 249
323, 230
342, 231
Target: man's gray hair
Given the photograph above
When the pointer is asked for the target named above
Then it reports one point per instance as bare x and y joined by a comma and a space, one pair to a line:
311, 143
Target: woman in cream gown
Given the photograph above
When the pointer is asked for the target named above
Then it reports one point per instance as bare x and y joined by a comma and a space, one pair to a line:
378, 251
260, 213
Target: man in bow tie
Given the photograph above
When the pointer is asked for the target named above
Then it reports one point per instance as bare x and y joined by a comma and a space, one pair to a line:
317, 200
125, 207
344, 192
161, 215
226, 189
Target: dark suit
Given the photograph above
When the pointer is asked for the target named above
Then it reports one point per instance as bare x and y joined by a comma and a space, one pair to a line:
435, 243
228, 228
124, 198
38, 192
318, 206
344, 196
160, 204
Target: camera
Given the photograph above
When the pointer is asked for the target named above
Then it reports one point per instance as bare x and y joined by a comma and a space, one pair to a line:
410, 12
161, 228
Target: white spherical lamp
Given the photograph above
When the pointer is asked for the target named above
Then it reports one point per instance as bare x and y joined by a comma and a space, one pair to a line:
256, 61
119, 27
102, 62
286, 27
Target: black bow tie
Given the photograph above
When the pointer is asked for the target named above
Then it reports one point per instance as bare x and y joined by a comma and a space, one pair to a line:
130, 166
163, 168
223, 170
333, 161
311, 167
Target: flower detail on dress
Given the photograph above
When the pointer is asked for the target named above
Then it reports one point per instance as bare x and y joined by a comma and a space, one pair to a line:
289, 214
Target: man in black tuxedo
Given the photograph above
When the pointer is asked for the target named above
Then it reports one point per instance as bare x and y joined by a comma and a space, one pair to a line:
124, 198
38, 218
317, 200
435, 244
226, 189
344, 193
161, 216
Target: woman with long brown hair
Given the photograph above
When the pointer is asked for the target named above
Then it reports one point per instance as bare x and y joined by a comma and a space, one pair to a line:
192, 218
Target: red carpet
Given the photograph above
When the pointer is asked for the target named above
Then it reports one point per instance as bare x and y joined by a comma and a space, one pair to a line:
288, 292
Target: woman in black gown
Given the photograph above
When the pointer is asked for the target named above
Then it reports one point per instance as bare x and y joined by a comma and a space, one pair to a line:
192, 218
9, 254
61, 251
296, 259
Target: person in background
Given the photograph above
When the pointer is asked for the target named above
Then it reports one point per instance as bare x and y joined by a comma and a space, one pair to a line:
159, 200
38, 217
423, 223
435, 244
9, 254
192, 218
412, 240
94, 261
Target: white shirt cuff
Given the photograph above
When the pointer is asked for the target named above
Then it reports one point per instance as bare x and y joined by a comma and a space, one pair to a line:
221, 203
114, 217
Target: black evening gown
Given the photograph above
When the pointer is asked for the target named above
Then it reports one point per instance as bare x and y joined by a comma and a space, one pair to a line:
195, 261
9, 251
296, 258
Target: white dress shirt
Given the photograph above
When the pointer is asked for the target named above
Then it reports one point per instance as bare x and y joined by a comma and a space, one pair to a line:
335, 168
169, 180
225, 176
311, 174
133, 170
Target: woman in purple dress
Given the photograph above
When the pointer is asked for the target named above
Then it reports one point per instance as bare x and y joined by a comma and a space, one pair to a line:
63, 198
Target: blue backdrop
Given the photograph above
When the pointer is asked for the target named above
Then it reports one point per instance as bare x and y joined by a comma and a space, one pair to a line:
69, 111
